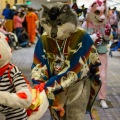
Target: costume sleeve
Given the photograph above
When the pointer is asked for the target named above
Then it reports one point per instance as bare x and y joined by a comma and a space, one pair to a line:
89, 28
40, 68
22, 96
94, 64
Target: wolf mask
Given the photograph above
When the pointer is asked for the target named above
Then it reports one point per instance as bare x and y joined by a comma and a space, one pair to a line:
59, 20
97, 12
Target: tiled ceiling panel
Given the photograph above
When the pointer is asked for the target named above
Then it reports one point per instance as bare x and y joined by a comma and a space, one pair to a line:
113, 3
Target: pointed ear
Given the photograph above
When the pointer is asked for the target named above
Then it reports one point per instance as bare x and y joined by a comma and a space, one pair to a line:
46, 9
65, 8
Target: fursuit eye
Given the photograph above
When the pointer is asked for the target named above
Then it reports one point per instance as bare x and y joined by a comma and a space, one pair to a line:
97, 12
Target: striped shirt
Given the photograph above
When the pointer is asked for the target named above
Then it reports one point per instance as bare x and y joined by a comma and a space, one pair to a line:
13, 86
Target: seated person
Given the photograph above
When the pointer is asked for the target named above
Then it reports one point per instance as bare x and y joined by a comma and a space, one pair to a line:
23, 38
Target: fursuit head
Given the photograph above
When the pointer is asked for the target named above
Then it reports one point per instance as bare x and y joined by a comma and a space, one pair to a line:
59, 20
97, 12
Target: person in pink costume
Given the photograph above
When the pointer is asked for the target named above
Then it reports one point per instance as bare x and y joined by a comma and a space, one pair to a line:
98, 27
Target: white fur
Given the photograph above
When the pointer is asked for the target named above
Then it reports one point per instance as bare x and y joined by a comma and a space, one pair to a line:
100, 8
81, 18
5, 51
97, 20
2, 36
94, 19
94, 37
64, 31
13, 100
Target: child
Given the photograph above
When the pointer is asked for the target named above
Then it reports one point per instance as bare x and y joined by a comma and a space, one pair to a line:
23, 38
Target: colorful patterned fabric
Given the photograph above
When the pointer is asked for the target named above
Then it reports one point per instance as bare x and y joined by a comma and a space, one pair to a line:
81, 62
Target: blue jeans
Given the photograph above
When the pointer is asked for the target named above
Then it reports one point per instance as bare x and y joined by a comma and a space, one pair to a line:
18, 30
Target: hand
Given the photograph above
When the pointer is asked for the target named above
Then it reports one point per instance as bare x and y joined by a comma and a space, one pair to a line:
107, 29
99, 38
40, 87
94, 37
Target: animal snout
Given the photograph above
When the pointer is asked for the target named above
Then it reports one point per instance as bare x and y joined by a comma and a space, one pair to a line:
53, 35
102, 17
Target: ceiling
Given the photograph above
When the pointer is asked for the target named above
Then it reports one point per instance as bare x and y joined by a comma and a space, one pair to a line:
113, 3
110, 3
49, 1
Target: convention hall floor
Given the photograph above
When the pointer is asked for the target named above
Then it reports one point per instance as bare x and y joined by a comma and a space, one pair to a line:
23, 59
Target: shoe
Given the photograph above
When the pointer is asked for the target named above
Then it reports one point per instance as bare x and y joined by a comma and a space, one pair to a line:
29, 44
103, 104
32, 42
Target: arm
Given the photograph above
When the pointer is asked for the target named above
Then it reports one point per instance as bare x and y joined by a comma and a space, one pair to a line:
94, 64
107, 33
86, 26
19, 19
22, 97
3, 31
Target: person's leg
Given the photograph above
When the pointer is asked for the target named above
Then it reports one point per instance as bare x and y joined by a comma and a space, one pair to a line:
103, 75
76, 109
9, 25
18, 30
32, 38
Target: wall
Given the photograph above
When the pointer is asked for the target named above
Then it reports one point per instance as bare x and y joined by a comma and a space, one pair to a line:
37, 3
3, 4
86, 2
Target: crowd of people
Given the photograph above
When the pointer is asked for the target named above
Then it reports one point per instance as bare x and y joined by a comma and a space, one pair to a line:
23, 23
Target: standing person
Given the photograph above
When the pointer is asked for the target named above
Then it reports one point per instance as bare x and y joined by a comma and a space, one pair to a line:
8, 15
31, 19
99, 31
67, 61
17, 20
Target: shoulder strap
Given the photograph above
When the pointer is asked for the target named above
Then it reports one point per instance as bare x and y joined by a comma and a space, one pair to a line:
11, 66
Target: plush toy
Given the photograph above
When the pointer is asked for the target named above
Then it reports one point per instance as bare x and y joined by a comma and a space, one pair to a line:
98, 26
66, 60
17, 98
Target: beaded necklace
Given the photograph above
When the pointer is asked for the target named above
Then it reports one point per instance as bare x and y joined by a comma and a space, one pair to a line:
61, 49
59, 59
